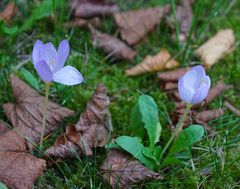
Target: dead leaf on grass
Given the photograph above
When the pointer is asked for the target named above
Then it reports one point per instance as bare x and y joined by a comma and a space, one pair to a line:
91, 131
18, 169
92, 8
232, 108
184, 17
9, 11
155, 63
26, 112
216, 48
173, 75
113, 46
122, 171
134, 25
80, 22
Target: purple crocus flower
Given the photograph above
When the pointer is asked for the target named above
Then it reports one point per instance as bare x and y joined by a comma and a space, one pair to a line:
49, 63
194, 85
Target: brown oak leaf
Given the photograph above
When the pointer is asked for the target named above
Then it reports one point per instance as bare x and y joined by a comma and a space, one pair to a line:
160, 61
134, 25
92, 8
91, 131
3, 128
18, 169
122, 171
115, 47
9, 11
27, 112
216, 48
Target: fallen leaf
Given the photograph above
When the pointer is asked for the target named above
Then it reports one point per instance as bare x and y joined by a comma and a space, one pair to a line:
216, 48
27, 115
169, 86
158, 62
232, 108
115, 47
9, 11
205, 116
3, 128
80, 22
91, 131
184, 17
122, 171
92, 8
18, 169
172, 75
134, 25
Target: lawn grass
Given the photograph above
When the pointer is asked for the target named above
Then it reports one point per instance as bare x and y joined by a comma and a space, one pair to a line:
215, 162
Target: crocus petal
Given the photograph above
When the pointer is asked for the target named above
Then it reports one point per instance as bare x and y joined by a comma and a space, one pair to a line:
200, 71
36, 52
68, 75
191, 79
49, 54
63, 51
185, 92
202, 92
44, 71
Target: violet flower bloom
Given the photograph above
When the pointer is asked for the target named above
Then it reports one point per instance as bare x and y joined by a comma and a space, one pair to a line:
194, 85
49, 63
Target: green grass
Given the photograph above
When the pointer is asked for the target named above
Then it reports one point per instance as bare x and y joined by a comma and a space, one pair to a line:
215, 162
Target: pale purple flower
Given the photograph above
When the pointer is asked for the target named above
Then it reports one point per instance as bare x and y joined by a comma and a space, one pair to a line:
194, 85
49, 63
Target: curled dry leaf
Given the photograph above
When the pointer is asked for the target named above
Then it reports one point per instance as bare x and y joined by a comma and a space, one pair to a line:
216, 47
173, 75
92, 8
9, 11
80, 22
158, 62
92, 129
115, 47
134, 25
27, 112
18, 169
184, 17
122, 171
232, 108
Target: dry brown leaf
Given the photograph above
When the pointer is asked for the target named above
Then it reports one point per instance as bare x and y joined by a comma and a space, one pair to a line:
18, 169
184, 19
232, 108
169, 86
172, 75
155, 63
9, 11
134, 25
207, 115
92, 8
26, 113
115, 47
216, 47
80, 22
91, 131
3, 128
122, 171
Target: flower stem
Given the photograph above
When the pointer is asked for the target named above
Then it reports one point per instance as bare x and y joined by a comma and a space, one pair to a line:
45, 107
178, 129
